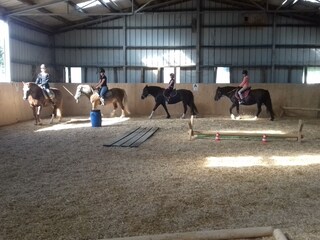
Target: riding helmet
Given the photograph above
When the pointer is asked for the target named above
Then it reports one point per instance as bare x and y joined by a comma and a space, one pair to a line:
102, 70
43, 66
171, 74
245, 72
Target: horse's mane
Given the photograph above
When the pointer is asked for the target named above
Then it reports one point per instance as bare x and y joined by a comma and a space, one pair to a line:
228, 88
86, 86
155, 87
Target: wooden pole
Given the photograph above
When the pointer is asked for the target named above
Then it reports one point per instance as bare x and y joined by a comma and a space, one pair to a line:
278, 235
253, 232
294, 135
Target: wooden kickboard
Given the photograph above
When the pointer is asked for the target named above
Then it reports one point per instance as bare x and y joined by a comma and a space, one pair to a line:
133, 138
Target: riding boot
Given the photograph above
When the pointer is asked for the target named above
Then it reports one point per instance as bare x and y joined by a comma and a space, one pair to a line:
241, 98
102, 100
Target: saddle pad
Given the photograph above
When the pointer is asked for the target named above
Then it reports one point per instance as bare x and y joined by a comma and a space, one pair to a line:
133, 138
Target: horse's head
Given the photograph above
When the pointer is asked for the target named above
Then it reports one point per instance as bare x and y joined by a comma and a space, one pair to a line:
218, 94
83, 89
26, 90
78, 93
145, 92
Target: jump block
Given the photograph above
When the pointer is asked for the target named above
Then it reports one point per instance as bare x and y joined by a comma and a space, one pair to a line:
292, 135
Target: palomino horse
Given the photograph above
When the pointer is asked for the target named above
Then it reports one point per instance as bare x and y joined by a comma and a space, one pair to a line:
184, 95
256, 96
114, 95
37, 101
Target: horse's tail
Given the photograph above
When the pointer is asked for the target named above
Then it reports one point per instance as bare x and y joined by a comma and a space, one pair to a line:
268, 104
194, 107
125, 101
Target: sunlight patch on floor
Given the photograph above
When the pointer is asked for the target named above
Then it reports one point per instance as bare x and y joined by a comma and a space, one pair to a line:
250, 161
82, 123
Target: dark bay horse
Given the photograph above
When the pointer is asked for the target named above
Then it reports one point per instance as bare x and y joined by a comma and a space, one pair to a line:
256, 96
37, 101
114, 95
184, 95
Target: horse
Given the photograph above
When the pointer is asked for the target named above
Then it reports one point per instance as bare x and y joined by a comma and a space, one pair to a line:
255, 96
114, 95
38, 100
184, 95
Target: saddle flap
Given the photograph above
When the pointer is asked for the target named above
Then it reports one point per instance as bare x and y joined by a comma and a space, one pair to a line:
108, 94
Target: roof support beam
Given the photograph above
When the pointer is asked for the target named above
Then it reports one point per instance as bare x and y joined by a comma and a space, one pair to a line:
33, 7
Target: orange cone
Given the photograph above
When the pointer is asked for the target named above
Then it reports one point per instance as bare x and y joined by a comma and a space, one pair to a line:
217, 137
264, 138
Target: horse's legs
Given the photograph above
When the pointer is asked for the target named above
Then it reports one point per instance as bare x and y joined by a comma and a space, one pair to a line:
122, 109
59, 114
231, 108
154, 108
259, 109
34, 112
185, 110
115, 106
38, 120
166, 109
52, 115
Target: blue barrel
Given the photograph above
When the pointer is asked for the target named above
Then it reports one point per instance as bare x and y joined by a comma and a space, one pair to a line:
95, 116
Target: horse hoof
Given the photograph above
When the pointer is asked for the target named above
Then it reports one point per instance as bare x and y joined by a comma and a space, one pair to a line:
232, 116
168, 116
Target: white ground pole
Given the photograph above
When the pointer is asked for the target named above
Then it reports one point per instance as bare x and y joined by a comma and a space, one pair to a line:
253, 232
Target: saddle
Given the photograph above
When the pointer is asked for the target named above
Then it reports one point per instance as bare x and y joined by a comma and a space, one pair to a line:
107, 95
173, 93
171, 97
245, 93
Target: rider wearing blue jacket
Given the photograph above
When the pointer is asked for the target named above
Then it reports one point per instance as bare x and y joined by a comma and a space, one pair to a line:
43, 80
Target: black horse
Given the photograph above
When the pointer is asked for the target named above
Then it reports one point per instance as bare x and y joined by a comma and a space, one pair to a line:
256, 96
184, 95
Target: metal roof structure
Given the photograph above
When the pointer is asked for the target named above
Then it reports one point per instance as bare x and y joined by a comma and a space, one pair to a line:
54, 16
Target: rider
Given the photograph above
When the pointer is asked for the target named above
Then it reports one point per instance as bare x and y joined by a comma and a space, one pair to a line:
102, 85
244, 85
170, 87
43, 81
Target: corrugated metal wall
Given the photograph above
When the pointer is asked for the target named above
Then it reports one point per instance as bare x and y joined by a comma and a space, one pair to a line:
28, 49
135, 49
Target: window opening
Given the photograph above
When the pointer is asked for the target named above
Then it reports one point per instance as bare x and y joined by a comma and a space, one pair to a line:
312, 77
4, 53
74, 76
168, 70
223, 75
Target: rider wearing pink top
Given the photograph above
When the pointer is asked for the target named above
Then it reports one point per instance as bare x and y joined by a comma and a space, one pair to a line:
245, 84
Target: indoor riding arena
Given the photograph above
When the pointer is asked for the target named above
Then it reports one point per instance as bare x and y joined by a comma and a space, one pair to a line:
193, 164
